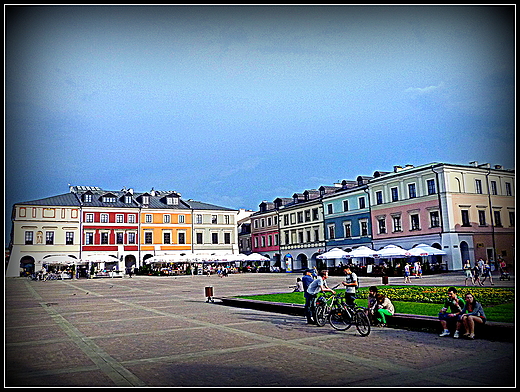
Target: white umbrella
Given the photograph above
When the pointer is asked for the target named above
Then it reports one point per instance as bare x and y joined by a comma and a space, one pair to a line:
425, 250
100, 258
256, 257
59, 260
334, 253
361, 251
390, 252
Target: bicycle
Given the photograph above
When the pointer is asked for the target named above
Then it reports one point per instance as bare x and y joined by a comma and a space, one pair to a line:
332, 308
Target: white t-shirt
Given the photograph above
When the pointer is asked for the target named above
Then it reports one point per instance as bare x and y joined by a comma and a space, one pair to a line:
350, 278
315, 286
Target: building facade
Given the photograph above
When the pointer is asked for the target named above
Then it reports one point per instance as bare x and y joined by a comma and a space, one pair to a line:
131, 227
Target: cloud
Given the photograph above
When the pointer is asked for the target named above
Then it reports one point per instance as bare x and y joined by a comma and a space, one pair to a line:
415, 91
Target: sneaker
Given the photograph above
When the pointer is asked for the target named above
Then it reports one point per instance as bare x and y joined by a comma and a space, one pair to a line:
456, 335
445, 333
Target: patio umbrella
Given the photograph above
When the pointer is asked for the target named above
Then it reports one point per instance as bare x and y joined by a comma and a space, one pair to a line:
59, 260
100, 258
256, 257
425, 250
335, 253
390, 252
361, 251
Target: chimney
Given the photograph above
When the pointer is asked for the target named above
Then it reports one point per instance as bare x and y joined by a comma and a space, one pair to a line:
474, 163
499, 167
397, 168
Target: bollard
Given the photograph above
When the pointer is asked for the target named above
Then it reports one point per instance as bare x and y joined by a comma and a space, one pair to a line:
208, 290
384, 279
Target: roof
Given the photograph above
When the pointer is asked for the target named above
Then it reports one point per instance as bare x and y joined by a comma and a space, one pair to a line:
66, 199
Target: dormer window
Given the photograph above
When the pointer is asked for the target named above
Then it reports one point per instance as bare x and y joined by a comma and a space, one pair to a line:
87, 197
146, 199
172, 201
109, 199
128, 199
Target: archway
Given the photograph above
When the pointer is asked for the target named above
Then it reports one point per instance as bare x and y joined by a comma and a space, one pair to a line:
26, 266
464, 251
130, 262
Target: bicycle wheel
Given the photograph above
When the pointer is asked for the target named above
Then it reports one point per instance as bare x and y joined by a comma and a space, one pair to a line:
321, 315
362, 323
340, 319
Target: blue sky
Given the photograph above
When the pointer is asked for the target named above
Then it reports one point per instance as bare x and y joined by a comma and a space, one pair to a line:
235, 105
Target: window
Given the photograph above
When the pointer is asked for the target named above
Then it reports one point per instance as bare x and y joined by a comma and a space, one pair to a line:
227, 219
167, 237
49, 237
315, 214
172, 200
198, 238
307, 215
347, 226
69, 238
214, 219
465, 218
494, 188
396, 220
131, 237
286, 220
182, 237
29, 237
198, 219
345, 205
166, 218
300, 216
431, 187
300, 236
330, 208
227, 238
148, 237
362, 204
381, 222
120, 237
104, 218
509, 192
120, 218
89, 218
364, 227
498, 219
181, 218
395, 194
414, 219
331, 231
128, 199
379, 197
214, 238
87, 198
146, 199
411, 191
478, 186
104, 238
148, 218
131, 218
511, 219
434, 219
89, 238
109, 199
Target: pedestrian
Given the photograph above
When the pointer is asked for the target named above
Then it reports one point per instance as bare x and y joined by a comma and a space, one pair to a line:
384, 307
318, 285
475, 315
454, 304
476, 275
306, 281
468, 274
299, 286
351, 282
407, 273
487, 273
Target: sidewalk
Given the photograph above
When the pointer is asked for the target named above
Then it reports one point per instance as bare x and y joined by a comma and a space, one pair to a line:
160, 331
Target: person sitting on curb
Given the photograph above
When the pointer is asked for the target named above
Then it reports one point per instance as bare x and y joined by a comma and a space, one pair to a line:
454, 304
475, 315
384, 307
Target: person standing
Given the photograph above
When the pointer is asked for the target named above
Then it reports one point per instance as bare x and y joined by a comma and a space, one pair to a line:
318, 285
306, 281
468, 274
487, 273
351, 282
407, 273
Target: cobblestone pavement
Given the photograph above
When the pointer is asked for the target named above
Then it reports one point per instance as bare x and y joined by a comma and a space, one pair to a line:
160, 331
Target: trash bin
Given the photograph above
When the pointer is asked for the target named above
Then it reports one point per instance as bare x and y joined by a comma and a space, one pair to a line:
208, 290
384, 279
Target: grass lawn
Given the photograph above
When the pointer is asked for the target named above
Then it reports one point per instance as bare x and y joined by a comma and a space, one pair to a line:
498, 303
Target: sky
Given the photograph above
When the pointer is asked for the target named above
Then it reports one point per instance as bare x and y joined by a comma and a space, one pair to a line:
234, 105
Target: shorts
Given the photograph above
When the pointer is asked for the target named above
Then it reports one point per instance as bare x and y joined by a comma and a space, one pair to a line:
445, 316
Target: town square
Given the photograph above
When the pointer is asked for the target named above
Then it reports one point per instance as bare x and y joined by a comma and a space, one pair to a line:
162, 331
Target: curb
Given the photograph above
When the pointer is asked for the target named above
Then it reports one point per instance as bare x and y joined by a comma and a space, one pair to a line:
492, 330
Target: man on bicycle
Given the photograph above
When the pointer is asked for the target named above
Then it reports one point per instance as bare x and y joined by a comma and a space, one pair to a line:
351, 282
